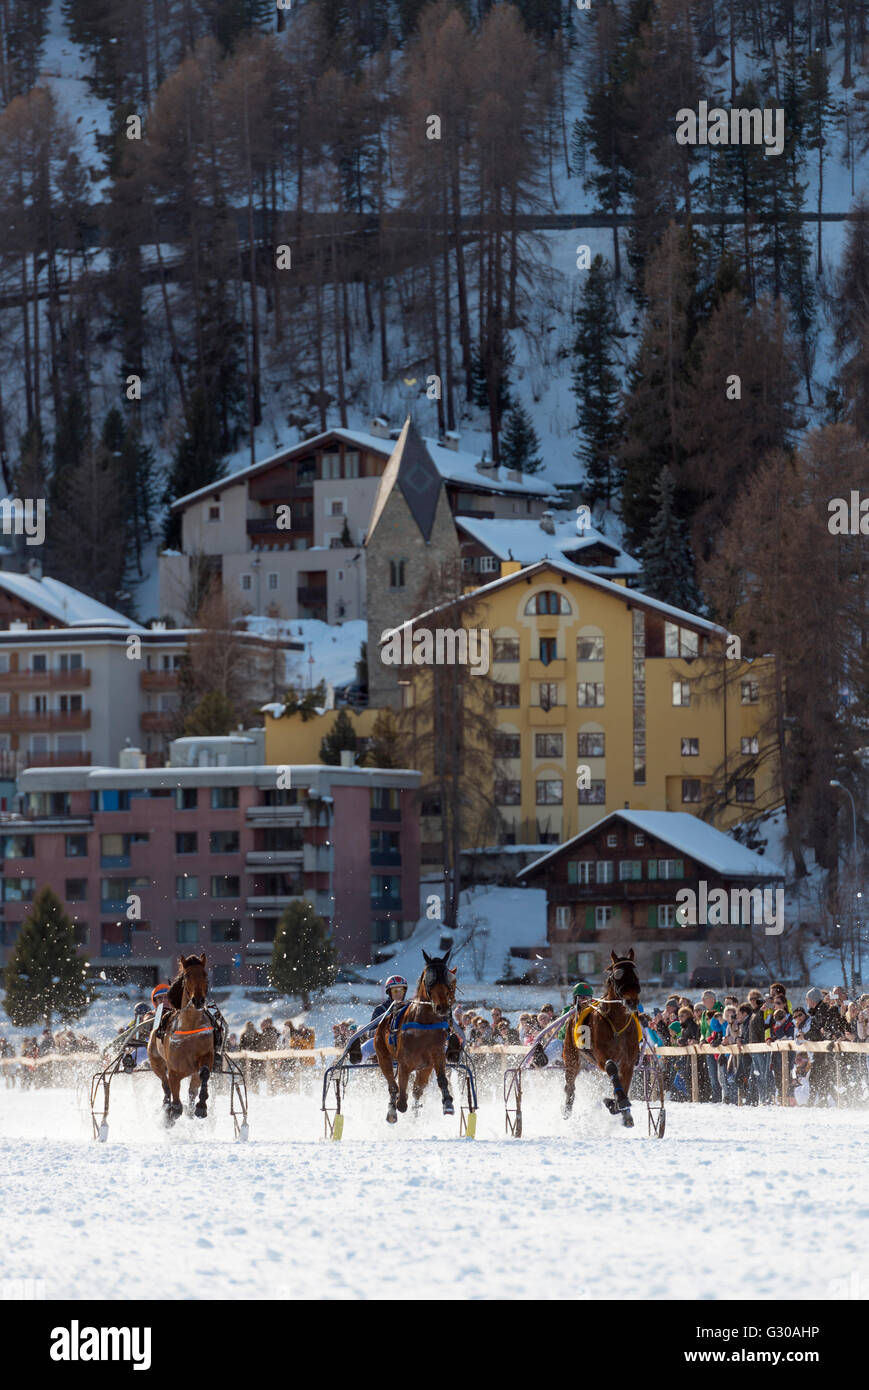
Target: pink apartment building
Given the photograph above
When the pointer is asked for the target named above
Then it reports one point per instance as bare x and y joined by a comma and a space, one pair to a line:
152, 862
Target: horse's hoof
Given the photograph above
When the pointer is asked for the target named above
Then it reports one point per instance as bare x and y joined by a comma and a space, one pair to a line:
401, 1106
627, 1119
610, 1104
391, 1117
448, 1108
201, 1112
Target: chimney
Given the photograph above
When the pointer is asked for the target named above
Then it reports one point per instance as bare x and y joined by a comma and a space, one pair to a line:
547, 524
451, 441
348, 757
379, 427
34, 568
18, 625
131, 757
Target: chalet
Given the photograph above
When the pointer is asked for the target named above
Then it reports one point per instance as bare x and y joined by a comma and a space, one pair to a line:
620, 883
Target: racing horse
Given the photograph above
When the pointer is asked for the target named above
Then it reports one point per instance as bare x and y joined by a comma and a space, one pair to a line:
184, 1043
608, 1029
415, 1036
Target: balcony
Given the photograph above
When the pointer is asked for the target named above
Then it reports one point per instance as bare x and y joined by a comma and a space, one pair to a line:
115, 861
554, 717
116, 948
159, 722
383, 813
389, 857
158, 680
273, 858
632, 890
271, 489
57, 759
41, 721
275, 815
555, 670
255, 904
309, 593
45, 680
385, 904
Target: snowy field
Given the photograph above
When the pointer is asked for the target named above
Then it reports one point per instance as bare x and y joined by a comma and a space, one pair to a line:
732, 1203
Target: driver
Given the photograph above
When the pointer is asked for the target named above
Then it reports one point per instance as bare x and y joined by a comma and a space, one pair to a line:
395, 990
554, 1049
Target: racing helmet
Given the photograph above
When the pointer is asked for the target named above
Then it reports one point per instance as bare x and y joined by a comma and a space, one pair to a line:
140, 1010
583, 990
158, 993
395, 982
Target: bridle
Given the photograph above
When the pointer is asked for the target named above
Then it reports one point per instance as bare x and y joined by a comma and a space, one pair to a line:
612, 977
431, 976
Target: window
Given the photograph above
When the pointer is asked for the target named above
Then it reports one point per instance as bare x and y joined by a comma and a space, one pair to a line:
744, 789
224, 798
549, 791
665, 868
602, 917
666, 913
508, 745
272, 581
385, 799
223, 842
386, 892
548, 601
603, 871
505, 649
69, 704
589, 648
351, 463
679, 641
489, 564
186, 886
76, 890
690, 789
186, 842
113, 800
246, 582
630, 870
214, 511
547, 694
682, 693
39, 662
396, 574
750, 744
591, 745
76, 846
612, 840
505, 696
336, 506
750, 693
225, 929
562, 919
4, 704
69, 661
18, 890
548, 745
225, 886
508, 793
186, 931
593, 795
639, 839
690, 747
548, 650
579, 870
589, 693
186, 798
18, 847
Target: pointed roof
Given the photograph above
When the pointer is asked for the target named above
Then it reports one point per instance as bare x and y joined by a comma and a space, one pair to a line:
412, 470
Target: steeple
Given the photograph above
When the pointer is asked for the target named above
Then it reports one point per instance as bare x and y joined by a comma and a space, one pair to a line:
411, 469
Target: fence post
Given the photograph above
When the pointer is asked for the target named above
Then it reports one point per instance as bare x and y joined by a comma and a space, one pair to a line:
695, 1078
785, 1073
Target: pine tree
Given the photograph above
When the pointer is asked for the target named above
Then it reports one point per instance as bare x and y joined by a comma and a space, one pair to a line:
385, 742
519, 444
215, 715
304, 958
668, 567
340, 738
197, 460
595, 383
45, 975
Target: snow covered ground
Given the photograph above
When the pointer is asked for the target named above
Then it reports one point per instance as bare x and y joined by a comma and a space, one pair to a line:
732, 1203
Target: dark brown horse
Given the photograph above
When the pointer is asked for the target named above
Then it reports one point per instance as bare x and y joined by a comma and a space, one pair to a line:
609, 1031
420, 1042
184, 1045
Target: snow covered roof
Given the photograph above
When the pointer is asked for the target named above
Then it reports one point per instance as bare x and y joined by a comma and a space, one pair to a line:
693, 837
453, 465
60, 601
634, 597
526, 541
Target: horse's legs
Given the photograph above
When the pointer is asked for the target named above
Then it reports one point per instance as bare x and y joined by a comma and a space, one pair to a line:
202, 1103
443, 1083
620, 1104
421, 1080
403, 1076
571, 1067
174, 1108
382, 1053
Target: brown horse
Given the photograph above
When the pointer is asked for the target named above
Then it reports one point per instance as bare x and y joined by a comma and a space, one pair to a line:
421, 1038
185, 1043
611, 1033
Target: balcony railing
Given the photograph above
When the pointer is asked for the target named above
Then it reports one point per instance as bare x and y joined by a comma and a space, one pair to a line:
45, 680
57, 759
309, 593
161, 722
629, 889
391, 856
547, 716
385, 904
159, 680
24, 721
263, 858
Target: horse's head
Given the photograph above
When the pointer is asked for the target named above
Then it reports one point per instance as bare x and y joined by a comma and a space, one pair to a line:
194, 979
622, 980
438, 983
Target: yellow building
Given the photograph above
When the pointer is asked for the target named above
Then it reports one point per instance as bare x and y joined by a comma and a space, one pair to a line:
604, 698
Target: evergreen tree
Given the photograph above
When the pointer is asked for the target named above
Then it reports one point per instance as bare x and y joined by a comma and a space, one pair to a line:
45, 975
384, 745
520, 444
340, 738
197, 460
304, 958
595, 383
668, 567
215, 715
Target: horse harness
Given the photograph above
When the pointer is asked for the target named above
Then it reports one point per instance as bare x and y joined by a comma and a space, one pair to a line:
596, 1006
397, 1023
